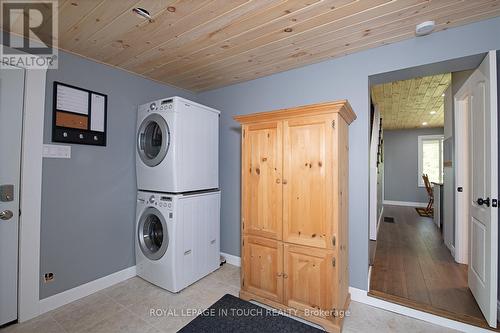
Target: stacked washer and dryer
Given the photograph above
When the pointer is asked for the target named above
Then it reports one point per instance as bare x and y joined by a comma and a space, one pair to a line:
178, 200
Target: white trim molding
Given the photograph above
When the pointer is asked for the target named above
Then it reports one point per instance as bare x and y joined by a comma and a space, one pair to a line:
31, 194
71, 295
405, 203
379, 220
232, 260
361, 296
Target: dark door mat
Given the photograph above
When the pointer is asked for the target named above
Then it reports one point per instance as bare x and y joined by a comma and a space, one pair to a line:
389, 219
231, 314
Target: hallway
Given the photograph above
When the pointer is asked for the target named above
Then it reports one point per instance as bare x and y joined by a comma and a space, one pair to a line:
414, 268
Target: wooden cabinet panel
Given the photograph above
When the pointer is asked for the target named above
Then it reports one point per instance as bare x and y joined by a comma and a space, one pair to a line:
263, 267
295, 168
308, 181
261, 178
309, 278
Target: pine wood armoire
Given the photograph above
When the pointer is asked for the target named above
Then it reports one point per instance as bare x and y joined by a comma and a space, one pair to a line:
294, 210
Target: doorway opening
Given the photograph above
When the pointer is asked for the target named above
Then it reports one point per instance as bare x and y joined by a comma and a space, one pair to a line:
433, 226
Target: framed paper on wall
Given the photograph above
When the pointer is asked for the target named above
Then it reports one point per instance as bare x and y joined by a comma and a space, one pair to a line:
79, 115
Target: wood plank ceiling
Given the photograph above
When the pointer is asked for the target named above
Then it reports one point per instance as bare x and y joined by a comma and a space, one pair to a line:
204, 44
414, 103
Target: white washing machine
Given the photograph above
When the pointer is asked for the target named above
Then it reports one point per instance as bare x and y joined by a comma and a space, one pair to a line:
177, 146
177, 237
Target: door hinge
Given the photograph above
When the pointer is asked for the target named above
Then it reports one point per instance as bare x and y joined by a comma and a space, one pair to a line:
334, 240
494, 203
334, 262
333, 124
243, 242
243, 133
243, 282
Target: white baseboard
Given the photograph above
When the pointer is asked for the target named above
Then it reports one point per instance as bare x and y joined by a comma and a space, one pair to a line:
405, 203
452, 250
379, 220
361, 296
71, 295
232, 260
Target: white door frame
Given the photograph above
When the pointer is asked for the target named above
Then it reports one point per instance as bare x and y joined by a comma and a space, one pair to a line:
461, 113
373, 219
31, 193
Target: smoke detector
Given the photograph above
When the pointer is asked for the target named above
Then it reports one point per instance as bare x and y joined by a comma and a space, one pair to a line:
425, 28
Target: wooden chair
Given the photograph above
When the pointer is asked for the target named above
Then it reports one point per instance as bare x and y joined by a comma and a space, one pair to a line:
430, 192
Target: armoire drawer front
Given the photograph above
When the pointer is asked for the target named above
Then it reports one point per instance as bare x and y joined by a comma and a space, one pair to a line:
309, 279
261, 179
262, 267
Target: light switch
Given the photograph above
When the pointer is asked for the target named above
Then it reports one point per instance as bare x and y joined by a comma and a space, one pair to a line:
56, 151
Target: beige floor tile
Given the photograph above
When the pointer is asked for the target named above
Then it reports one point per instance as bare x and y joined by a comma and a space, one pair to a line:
365, 318
162, 306
227, 274
80, 315
122, 322
126, 308
132, 291
43, 323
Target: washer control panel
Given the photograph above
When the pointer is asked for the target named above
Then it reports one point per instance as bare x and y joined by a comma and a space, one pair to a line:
166, 201
156, 200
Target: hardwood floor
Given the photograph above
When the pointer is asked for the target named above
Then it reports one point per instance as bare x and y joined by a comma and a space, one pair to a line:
413, 267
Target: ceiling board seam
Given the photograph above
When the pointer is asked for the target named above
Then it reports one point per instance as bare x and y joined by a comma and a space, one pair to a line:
310, 7
224, 60
129, 10
291, 36
195, 27
85, 16
347, 51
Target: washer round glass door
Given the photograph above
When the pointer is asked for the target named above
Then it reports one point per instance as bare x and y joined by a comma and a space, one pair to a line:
153, 140
152, 233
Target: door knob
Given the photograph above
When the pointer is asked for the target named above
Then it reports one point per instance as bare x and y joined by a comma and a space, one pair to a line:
482, 201
6, 214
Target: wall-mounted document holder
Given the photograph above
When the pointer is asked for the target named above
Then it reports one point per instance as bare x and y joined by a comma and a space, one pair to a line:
79, 115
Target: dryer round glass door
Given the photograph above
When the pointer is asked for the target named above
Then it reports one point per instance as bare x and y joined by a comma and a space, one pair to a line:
153, 140
152, 234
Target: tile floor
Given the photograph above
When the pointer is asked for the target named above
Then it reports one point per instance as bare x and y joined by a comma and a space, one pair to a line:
126, 306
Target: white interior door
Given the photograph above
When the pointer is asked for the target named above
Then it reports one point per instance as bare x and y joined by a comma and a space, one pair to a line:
483, 182
11, 113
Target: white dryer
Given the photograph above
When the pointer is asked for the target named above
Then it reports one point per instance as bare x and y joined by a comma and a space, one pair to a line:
177, 237
177, 146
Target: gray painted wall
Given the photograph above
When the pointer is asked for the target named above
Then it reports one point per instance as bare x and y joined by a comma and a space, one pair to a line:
345, 77
401, 164
88, 201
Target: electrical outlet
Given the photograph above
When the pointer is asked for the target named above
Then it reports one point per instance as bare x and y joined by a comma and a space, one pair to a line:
48, 277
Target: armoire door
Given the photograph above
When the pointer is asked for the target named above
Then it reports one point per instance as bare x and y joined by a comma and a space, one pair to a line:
263, 267
261, 178
308, 181
308, 278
